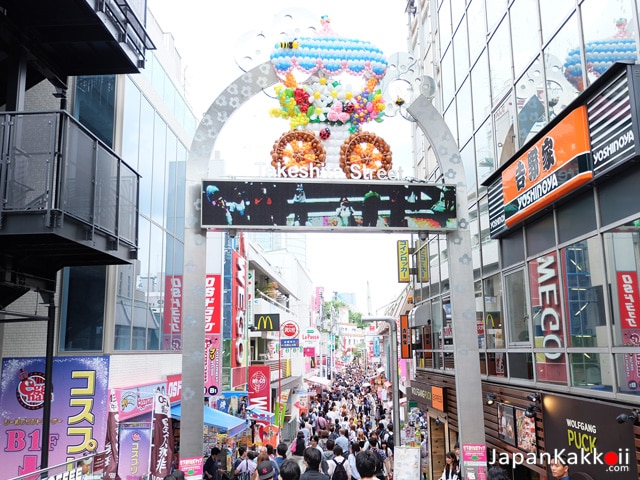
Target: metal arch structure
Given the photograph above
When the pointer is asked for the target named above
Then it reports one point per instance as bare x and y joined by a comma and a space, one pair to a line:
463, 310
448, 156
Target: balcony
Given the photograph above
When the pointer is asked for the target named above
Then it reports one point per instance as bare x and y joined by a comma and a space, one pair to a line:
67, 200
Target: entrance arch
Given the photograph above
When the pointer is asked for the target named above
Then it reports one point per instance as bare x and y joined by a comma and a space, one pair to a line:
448, 156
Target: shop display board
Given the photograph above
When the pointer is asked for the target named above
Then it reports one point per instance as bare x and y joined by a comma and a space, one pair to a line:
406, 462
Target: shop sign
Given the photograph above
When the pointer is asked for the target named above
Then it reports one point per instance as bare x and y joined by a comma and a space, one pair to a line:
405, 337
290, 329
588, 434
432, 396
629, 305
267, 322
404, 268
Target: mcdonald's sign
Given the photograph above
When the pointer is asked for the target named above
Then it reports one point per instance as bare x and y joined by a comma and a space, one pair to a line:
269, 322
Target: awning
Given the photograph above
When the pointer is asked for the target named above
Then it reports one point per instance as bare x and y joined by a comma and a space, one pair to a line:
319, 380
215, 418
254, 413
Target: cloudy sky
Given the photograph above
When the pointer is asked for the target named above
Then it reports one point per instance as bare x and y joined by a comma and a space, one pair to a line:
216, 40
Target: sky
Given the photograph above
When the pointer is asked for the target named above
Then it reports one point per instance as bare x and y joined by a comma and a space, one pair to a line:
217, 40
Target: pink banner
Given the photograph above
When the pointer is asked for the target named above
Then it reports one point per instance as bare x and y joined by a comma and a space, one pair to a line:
212, 368
629, 303
260, 386
238, 306
162, 446
213, 309
135, 444
111, 441
137, 400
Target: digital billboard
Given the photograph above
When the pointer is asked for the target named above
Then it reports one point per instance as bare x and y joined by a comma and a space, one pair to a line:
327, 206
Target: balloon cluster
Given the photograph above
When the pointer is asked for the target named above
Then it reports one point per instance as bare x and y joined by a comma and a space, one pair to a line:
326, 101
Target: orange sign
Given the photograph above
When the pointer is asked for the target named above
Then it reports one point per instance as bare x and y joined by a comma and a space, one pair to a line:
437, 398
555, 165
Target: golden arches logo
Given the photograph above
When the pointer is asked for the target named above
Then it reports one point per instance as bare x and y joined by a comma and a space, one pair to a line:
267, 323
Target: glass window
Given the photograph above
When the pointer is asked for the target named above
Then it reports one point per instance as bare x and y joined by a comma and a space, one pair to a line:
496, 364
131, 123
447, 78
559, 58
524, 33
609, 21
468, 161
552, 14
494, 327
516, 312
614, 204
159, 170
451, 119
83, 300
434, 265
444, 23
591, 370
465, 116
576, 217
541, 235
548, 319
485, 158
500, 61
584, 282
481, 87
145, 155
476, 20
495, 11
521, 365
461, 53
532, 115
503, 120
95, 105
623, 268
628, 374
490, 259
512, 248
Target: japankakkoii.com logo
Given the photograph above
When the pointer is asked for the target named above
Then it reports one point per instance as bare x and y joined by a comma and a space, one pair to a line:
613, 461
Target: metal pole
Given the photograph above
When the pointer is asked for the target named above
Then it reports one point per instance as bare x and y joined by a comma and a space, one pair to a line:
393, 368
48, 297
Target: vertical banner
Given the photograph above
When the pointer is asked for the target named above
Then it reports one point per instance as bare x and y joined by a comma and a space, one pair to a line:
260, 386
135, 444
212, 367
281, 409
111, 440
239, 282
78, 411
423, 264
629, 305
405, 337
172, 325
404, 267
162, 445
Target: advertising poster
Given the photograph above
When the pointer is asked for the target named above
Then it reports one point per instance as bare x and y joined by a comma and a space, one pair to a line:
137, 400
172, 321
629, 302
135, 445
212, 352
79, 406
526, 431
506, 424
232, 402
406, 462
260, 386
588, 433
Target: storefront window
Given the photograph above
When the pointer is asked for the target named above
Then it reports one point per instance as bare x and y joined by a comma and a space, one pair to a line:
628, 372
592, 370
494, 328
623, 263
548, 319
584, 280
521, 365
516, 307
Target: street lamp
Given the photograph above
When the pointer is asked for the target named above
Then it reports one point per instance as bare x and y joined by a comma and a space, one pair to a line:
393, 368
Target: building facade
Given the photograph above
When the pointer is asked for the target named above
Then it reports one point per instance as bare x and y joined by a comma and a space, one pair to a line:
527, 88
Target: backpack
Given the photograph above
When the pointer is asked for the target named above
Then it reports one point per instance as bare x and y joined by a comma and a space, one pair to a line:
340, 473
379, 464
245, 474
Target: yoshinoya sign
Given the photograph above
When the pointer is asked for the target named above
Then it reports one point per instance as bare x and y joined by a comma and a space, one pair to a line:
558, 163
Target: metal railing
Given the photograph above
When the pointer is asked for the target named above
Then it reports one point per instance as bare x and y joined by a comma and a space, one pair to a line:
53, 165
57, 471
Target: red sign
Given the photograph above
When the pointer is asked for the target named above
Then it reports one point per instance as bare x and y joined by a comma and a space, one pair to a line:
174, 387
238, 306
259, 387
628, 303
545, 301
290, 329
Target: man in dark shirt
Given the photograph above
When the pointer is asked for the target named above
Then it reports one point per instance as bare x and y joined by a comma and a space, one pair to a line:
312, 458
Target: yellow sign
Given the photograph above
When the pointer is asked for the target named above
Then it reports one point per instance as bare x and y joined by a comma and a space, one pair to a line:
404, 269
423, 264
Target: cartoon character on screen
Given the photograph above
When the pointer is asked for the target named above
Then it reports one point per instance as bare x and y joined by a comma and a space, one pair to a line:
346, 213
215, 210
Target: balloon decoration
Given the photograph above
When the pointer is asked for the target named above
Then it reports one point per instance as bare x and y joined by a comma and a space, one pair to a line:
601, 55
365, 150
323, 100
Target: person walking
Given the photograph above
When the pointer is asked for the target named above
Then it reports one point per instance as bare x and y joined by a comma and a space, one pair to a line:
312, 458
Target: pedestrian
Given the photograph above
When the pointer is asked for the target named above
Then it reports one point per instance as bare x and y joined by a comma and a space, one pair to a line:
497, 473
338, 460
560, 468
290, 470
366, 463
264, 470
211, 469
312, 458
355, 449
449, 472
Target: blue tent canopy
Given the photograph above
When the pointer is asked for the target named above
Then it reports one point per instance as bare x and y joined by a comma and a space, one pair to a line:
257, 414
215, 418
